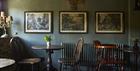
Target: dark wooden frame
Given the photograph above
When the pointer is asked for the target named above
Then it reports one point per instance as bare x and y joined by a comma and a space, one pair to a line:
109, 22
68, 21
45, 24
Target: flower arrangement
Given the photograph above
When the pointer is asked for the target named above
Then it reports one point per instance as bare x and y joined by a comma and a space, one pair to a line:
47, 38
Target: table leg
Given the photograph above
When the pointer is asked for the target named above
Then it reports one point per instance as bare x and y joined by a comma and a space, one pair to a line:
136, 60
50, 67
49, 60
135, 66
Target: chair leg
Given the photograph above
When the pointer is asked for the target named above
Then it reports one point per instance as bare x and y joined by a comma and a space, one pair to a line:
73, 68
17, 68
60, 68
39, 67
92, 68
77, 67
122, 68
98, 67
89, 68
32, 67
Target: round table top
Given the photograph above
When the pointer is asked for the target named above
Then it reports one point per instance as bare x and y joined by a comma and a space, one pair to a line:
52, 47
130, 50
6, 62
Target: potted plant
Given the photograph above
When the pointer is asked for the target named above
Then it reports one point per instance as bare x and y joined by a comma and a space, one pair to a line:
48, 39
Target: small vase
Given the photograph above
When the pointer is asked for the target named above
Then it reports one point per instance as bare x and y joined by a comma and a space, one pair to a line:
48, 44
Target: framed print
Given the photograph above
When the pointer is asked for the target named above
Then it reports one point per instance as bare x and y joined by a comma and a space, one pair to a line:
73, 22
137, 4
109, 22
38, 21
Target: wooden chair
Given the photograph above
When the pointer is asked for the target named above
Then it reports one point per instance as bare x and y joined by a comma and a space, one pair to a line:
109, 56
74, 61
22, 60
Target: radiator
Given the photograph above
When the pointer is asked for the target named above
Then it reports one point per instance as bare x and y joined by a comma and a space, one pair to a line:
87, 55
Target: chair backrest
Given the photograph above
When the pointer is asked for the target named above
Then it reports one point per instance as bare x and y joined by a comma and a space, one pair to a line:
97, 43
5, 50
78, 49
108, 51
18, 48
99, 52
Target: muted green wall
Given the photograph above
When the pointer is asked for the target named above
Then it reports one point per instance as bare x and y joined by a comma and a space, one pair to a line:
17, 8
134, 22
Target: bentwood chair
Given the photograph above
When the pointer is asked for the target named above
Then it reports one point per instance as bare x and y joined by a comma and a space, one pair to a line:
23, 62
74, 61
109, 57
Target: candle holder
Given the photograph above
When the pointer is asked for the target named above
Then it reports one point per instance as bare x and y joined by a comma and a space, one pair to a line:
5, 22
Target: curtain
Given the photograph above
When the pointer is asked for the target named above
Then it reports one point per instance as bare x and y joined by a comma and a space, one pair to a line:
3, 4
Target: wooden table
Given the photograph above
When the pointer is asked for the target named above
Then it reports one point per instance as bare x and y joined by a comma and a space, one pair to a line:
136, 54
4, 62
49, 51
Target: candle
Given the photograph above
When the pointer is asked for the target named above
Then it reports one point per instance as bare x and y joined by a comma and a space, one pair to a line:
0, 20
2, 14
10, 18
7, 20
